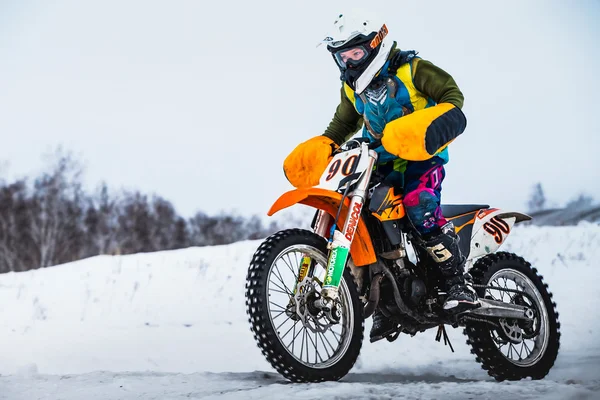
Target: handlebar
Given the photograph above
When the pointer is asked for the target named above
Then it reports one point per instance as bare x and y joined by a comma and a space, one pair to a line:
375, 144
371, 146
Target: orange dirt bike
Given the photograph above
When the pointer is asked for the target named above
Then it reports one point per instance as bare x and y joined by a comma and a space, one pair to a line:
308, 293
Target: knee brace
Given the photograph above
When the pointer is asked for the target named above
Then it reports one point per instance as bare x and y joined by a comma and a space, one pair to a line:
423, 209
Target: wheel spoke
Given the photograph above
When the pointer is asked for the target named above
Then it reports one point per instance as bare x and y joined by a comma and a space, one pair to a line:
280, 325
288, 331
278, 276
287, 291
496, 298
279, 291
329, 343
321, 334
316, 350
527, 347
290, 264
278, 313
306, 341
317, 346
276, 305
521, 352
302, 344
295, 336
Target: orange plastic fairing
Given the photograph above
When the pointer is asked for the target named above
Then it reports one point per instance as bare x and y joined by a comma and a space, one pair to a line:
361, 249
391, 208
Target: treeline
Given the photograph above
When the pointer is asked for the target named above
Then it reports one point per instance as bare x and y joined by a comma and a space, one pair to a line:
51, 220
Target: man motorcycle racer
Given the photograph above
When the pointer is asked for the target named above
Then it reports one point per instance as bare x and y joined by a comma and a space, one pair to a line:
414, 107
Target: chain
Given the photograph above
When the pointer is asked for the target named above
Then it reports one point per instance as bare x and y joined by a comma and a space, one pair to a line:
482, 320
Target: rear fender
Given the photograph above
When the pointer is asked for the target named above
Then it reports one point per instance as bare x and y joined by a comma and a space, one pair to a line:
361, 248
491, 228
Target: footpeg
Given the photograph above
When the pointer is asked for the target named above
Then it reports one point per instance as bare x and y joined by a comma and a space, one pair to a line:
383, 335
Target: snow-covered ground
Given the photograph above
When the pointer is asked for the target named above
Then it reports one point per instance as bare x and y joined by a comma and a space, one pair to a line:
172, 325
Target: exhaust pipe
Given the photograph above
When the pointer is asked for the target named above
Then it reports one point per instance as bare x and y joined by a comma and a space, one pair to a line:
380, 271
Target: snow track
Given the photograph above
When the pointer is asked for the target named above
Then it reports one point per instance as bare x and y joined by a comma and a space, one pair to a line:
177, 318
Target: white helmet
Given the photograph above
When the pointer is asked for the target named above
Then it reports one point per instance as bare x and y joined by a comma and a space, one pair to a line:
360, 48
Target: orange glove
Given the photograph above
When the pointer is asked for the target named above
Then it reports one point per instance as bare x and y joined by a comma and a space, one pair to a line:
424, 133
307, 162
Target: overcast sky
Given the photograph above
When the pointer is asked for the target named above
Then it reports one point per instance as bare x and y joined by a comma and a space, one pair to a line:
200, 101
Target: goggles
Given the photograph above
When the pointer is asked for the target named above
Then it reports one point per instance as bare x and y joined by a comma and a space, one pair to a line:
352, 57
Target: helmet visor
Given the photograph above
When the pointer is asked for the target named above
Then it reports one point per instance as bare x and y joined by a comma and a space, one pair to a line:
351, 57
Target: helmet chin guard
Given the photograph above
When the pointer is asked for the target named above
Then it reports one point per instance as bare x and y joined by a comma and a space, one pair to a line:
374, 67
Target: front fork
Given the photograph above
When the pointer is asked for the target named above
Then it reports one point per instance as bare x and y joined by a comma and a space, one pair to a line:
323, 222
339, 248
339, 245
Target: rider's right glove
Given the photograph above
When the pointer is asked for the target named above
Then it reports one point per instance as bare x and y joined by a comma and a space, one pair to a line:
307, 162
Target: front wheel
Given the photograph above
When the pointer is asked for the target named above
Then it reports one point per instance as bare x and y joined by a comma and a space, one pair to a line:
297, 338
508, 348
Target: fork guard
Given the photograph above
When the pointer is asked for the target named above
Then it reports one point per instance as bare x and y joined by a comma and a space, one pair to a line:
361, 248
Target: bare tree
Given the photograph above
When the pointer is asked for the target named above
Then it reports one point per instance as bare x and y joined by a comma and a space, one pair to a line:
102, 223
53, 212
580, 202
12, 247
51, 220
537, 200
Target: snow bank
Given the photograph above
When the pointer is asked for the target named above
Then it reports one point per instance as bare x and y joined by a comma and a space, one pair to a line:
183, 311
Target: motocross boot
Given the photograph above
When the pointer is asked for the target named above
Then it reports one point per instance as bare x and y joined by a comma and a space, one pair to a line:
443, 249
382, 326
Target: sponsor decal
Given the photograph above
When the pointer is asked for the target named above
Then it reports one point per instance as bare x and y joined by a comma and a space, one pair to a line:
391, 200
482, 213
331, 267
390, 208
354, 216
379, 37
498, 228
335, 266
439, 253
304, 268
328, 39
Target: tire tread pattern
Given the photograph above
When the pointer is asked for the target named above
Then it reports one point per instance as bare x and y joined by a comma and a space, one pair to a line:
478, 333
258, 313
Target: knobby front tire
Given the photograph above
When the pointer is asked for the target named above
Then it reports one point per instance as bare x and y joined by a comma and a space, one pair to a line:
279, 257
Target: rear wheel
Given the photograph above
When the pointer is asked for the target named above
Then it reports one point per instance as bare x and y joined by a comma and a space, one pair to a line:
297, 338
515, 349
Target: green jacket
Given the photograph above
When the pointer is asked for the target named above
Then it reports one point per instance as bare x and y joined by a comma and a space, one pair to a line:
430, 80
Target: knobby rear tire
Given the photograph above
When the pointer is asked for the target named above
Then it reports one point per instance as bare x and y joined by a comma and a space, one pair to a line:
479, 333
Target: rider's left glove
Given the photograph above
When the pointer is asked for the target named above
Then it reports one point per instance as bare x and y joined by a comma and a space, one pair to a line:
307, 162
424, 133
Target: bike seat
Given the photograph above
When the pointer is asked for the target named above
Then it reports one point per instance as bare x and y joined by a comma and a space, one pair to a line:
454, 210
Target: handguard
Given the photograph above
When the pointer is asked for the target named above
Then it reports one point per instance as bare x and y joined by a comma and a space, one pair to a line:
424, 133
304, 166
